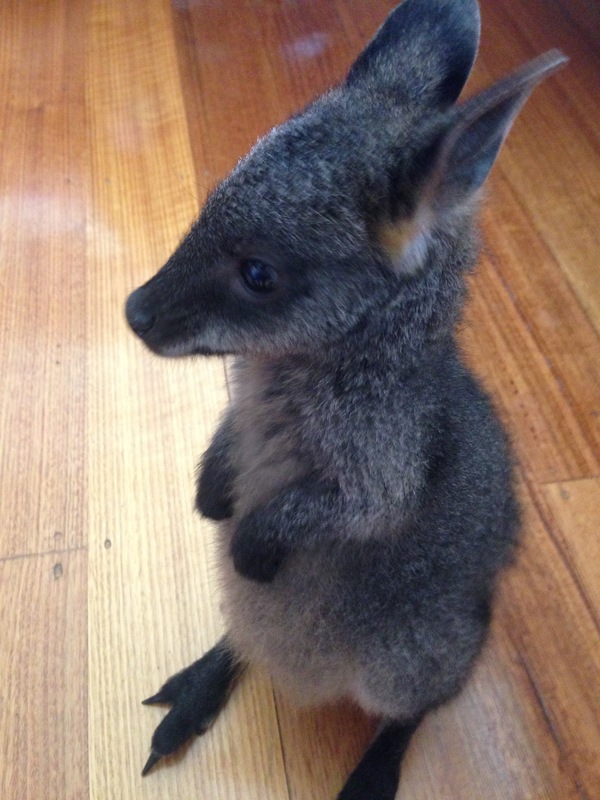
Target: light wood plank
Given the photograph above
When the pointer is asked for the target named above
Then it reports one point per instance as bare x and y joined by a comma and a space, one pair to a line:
43, 664
322, 746
42, 231
153, 597
493, 741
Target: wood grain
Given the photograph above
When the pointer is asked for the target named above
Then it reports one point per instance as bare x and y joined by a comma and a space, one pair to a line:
152, 605
493, 740
556, 632
42, 235
575, 505
116, 119
43, 693
563, 201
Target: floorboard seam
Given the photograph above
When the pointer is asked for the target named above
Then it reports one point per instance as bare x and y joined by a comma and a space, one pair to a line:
566, 481
42, 553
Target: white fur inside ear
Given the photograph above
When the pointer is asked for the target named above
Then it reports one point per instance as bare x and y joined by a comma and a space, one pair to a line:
415, 253
406, 242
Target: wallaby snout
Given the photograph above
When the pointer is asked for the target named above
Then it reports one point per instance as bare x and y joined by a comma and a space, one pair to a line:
139, 316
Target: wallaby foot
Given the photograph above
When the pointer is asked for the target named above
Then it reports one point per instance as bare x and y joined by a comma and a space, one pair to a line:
377, 774
196, 695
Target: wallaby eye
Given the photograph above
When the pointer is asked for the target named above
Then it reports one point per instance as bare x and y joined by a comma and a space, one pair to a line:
257, 276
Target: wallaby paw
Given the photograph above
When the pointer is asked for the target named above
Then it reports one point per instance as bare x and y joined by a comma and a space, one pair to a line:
213, 505
377, 774
255, 554
196, 695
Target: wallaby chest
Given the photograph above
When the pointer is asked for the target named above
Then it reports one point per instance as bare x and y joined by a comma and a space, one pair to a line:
267, 455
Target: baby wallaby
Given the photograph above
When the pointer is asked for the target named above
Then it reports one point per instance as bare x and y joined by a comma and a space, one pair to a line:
360, 477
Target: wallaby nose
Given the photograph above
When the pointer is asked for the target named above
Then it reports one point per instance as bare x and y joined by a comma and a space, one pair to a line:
140, 319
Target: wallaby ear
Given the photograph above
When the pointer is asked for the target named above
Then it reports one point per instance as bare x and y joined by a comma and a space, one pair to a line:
464, 158
423, 53
470, 147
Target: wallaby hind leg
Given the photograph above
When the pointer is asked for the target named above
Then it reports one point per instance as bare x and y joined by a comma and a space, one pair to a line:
377, 774
196, 695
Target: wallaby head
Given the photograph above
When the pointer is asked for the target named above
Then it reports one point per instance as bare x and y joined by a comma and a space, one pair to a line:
361, 201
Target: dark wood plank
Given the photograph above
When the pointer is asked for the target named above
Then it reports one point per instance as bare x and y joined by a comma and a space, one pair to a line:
552, 157
246, 67
584, 16
549, 438
571, 511
556, 324
556, 634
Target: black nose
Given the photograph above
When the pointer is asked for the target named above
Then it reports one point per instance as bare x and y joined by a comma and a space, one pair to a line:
138, 314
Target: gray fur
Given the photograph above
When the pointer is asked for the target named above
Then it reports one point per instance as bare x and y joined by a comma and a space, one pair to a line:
361, 477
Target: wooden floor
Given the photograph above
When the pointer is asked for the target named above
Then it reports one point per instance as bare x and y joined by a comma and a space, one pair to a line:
115, 119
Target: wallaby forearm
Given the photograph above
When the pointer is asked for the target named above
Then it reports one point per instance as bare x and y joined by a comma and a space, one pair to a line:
305, 515
216, 476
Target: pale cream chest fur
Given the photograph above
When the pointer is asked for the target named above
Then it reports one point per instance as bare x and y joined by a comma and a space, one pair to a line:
289, 625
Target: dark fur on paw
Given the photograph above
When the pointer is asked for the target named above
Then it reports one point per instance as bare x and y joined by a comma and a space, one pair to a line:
214, 482
212, 505
255, 556
196, 695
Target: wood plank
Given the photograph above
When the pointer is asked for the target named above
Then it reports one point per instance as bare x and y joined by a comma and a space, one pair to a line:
584, 16
557, 137
540, 274
542, 277
571, 510
42, 229
493, 741
557, 637
322, 746
552, 315
242, 72
547, 433
153, 603
43, 663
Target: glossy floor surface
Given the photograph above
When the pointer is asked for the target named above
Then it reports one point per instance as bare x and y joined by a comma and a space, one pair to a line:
115, 120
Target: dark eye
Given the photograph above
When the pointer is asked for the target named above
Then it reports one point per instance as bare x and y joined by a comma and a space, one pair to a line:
259, 277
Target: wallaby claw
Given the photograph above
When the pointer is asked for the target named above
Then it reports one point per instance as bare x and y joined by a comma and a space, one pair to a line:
157, 699
152, 760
